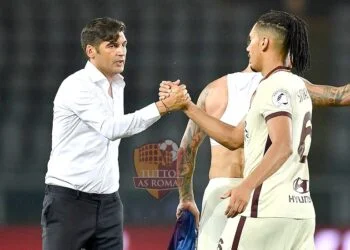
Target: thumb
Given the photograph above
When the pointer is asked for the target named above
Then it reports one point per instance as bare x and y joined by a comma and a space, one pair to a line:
178, 213
226, 195
177, 82
197, 221
195, 213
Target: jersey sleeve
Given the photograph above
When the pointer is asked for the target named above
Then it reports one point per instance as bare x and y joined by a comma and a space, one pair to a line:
274, 100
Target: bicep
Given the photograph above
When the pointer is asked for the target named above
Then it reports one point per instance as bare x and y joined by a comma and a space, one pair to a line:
280, 129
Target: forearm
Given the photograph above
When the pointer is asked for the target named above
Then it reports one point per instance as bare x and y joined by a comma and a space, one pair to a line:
185, 175
343, 96
223, 133
186, 159
126, 125
161, 108
323, 95
185, 167
110, 123
274, 158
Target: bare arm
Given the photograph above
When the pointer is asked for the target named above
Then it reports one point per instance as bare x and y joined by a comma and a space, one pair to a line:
280, 133
229, 136
324, 95
187, 153
209, 102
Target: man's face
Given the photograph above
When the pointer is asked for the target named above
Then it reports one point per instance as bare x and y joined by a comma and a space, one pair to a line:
253, 50
110, 56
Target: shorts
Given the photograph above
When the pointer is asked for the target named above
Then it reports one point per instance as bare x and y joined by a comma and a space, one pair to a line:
247, 233
213, 218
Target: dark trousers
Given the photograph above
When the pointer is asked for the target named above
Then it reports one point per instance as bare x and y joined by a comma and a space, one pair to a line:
72, 220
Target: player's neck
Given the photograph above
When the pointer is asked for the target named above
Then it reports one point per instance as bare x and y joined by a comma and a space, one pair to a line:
266, 71
277, 68
272, 61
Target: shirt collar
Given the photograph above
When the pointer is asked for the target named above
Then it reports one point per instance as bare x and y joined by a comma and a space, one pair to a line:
96, 75
278, 68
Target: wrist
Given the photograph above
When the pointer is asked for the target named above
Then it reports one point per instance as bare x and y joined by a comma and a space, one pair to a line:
169, 104
248, 184
162, 108
186, 198
189, 107
166, 106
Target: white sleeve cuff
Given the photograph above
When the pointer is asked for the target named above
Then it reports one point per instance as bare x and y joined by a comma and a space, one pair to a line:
150, 112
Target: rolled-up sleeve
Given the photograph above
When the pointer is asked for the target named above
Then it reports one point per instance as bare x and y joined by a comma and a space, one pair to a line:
93, 111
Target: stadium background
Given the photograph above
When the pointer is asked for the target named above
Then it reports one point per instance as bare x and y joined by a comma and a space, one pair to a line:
196, 41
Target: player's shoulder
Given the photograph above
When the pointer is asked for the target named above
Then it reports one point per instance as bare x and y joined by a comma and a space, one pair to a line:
283, 74
218, 84
241, 80
285, 79
238, 76
214, 96
307, 83
215, 89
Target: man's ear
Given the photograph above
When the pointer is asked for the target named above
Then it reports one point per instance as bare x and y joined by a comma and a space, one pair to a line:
90, 51
265, 43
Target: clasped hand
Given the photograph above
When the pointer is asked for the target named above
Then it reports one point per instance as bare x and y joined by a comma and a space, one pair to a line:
174, 95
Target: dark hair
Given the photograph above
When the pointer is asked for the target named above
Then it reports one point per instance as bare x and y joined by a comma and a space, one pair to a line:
295, 36
100, 30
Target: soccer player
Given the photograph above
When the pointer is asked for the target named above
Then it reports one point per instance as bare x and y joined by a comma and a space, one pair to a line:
274, 196
226, 98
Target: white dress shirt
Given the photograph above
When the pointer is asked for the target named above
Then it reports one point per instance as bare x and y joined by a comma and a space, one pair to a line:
86, 132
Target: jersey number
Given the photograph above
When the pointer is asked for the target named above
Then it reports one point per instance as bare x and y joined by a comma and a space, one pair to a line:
307, 130
220, 244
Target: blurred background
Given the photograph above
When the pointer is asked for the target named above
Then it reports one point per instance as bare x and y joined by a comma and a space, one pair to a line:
196, 41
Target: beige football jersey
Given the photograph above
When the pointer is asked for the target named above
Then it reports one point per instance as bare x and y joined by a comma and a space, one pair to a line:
287, 192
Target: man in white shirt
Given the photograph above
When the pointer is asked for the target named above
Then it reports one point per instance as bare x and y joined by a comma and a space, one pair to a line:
82, 207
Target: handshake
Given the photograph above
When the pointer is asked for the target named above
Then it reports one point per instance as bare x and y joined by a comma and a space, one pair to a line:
173, 96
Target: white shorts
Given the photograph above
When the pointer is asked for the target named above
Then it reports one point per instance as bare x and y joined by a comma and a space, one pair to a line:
246, 233
213, 218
